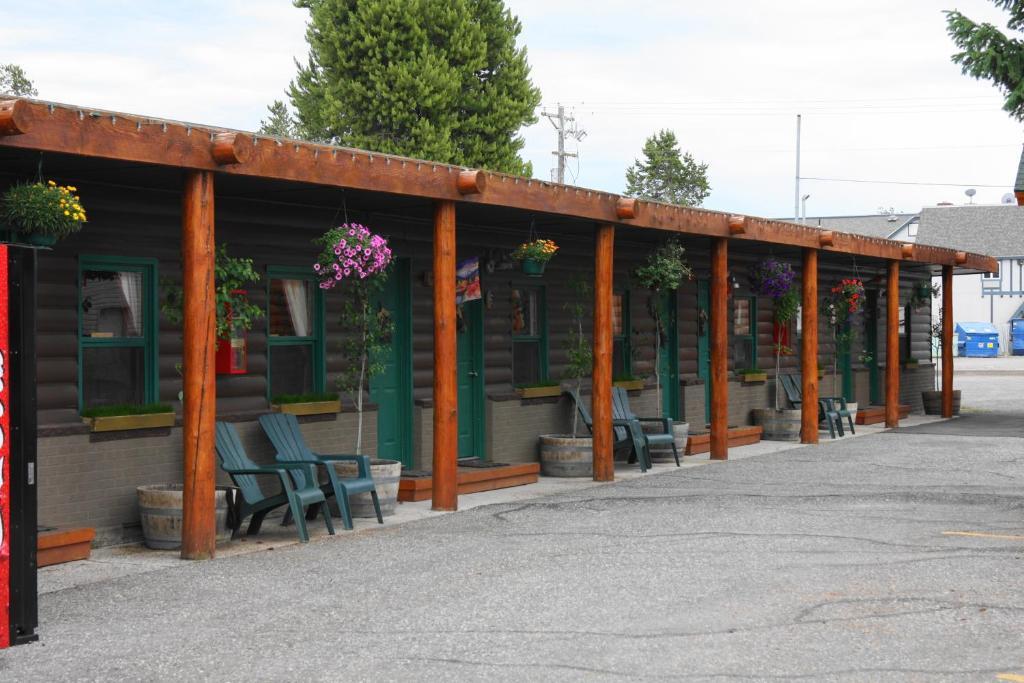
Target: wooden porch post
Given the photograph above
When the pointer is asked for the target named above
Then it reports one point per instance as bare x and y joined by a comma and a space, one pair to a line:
446, 393
198, 533
601, 399
809, 349
947, 341
719, 349
892, 347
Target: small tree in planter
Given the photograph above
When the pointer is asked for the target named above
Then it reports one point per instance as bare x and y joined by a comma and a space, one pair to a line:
577, 345
356, 261
664, 272
41, 213
774, 279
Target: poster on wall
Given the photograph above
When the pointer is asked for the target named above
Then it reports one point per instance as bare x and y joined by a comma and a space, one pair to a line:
467, 281
5, 466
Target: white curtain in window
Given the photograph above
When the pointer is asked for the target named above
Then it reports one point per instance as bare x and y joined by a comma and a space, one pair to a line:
131, 288
298, 309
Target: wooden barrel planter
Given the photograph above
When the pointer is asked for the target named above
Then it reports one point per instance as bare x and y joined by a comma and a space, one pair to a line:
778, 425
663, 452
565, 455
386, 474
933, 402
160, 512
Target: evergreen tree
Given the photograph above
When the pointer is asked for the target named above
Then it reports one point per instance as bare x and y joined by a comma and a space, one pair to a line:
14, 81
441, 80
988, 53
280, 123
667, 175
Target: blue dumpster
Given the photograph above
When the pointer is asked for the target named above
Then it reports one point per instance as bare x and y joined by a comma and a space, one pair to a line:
1017, 336
977, 340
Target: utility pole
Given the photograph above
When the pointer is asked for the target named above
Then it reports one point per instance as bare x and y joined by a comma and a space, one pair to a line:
565, 126
796, 192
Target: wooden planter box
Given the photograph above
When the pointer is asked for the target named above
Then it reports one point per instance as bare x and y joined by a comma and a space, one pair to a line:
310, 408
539, 392
63, 545
630, 384
472, 480
752, 377
738, 436
116, 423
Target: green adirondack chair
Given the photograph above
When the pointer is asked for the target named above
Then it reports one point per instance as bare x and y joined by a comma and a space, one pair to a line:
627, 433
253, 501
831, 409
664, 438
283, 431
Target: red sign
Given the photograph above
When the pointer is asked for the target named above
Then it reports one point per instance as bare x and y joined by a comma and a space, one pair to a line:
5, 466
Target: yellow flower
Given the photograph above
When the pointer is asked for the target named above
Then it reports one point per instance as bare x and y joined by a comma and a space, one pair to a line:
72, 188
51, 183
67, 213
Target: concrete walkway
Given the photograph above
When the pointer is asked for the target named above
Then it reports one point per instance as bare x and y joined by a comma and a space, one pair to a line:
892, 556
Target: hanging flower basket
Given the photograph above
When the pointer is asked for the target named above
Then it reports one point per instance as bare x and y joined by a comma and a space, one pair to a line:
534, 256
41, 213
533, 267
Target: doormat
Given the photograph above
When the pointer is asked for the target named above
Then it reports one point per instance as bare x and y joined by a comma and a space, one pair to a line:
480, 464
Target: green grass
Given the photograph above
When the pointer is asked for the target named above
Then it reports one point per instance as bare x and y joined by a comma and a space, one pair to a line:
752, 371
284, 399
537, 385
127, 409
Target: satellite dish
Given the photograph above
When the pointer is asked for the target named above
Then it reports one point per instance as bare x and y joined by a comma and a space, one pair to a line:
970, 192
1008, 198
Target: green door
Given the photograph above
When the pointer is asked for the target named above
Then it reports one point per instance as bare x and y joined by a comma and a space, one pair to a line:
471, 380
703, 340
871, 346
391, 390
668, 363
846, 366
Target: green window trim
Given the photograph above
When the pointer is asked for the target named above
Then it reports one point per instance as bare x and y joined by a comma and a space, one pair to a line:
751, 335
542, 326
148, 342
315, 341
625, 337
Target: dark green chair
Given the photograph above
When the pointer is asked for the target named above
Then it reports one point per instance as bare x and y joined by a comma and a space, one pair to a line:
620, 401
283, 431
831, 409
252, 500
627, 433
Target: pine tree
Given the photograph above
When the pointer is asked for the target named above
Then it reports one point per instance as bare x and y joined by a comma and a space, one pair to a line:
280, 123
14, 81
667, 175
441, 80
988, 53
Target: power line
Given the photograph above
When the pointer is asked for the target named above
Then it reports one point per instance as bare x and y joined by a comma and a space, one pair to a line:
900, 182
566, 126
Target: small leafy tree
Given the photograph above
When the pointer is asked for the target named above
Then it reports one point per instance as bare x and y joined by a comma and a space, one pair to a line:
665, 270
280, 123
666, 174
775, 279
577, 345
357, 261
231, 276
14, 81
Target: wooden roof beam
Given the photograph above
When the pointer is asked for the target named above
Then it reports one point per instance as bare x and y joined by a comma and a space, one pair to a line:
14, 117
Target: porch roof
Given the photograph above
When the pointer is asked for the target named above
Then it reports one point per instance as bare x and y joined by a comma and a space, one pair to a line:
67, 129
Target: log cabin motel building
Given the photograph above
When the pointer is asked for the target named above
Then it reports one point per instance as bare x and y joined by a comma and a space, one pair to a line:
160, 194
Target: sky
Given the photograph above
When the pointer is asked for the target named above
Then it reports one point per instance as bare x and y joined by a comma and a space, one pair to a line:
879, 97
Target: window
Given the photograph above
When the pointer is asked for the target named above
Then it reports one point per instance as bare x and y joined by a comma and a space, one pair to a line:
744, 330
622, 352
117, 331
529, 336
295, 333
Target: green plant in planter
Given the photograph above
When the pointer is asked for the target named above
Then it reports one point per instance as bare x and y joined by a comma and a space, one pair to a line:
312, 397
922, 293
577, 345
234, 309
665, 271
127, 409
42, 212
